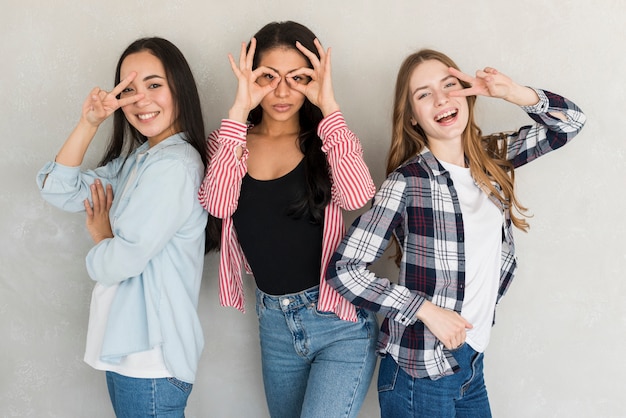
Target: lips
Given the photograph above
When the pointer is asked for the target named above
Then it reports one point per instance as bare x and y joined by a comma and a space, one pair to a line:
446, 116
281, 107
147, 116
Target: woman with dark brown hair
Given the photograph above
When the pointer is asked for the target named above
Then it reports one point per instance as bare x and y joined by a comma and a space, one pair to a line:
283, 166
149, 239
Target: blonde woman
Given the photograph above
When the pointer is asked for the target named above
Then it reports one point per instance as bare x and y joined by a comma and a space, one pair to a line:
449, 203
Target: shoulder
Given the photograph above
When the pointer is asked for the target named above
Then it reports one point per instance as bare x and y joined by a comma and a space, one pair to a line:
417, 166
177, 149
177, 157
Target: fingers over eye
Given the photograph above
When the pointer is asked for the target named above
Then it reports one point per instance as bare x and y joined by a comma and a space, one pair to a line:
301, 76
460, 75
123, 84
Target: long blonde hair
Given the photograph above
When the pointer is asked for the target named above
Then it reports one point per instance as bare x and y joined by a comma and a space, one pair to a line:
486, 155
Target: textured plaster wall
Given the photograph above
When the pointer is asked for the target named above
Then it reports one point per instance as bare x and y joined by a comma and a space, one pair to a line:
557, 348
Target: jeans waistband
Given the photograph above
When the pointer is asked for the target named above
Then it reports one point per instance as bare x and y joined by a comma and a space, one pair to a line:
288, 302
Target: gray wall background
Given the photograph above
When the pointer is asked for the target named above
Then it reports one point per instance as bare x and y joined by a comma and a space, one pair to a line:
557, 348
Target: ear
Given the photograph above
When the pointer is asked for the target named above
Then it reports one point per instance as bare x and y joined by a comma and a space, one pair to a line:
413, 122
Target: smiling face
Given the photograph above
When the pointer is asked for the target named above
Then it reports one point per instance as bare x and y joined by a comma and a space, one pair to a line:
284, 103
154, 115
441, 117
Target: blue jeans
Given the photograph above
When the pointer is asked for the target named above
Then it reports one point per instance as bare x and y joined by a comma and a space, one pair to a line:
314, 364
462, 395
147, 398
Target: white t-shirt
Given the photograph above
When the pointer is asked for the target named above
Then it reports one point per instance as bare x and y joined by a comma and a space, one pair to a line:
482, 222
145, 364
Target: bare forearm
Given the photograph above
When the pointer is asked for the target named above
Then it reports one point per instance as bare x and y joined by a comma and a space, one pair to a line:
522, 96
73, 150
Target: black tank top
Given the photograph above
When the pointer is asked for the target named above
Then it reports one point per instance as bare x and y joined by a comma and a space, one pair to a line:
284, 252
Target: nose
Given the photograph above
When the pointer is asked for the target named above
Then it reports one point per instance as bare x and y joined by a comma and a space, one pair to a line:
145, 100
283, 89
441, 98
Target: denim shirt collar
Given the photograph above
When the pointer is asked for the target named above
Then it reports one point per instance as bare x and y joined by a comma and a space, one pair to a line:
175, 139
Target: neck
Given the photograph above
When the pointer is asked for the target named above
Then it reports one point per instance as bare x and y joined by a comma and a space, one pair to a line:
155, 140
271, 127
449, 152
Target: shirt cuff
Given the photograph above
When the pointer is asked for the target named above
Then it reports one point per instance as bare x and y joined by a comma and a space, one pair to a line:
541, 107
234, 130
330, 124
408, 315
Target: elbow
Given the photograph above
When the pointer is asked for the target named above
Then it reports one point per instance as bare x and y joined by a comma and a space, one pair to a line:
220, 212
357, 201
333, 272
582, 118
331, 276
111, 275
356, 204
214, 206
104, 267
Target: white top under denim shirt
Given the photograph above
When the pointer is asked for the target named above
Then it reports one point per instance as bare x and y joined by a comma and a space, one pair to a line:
154, 261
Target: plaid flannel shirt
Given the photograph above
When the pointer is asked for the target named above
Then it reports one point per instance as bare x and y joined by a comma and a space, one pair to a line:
418, 203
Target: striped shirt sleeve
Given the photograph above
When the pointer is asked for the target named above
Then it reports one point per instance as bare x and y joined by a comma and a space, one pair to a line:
219, 192
352, 183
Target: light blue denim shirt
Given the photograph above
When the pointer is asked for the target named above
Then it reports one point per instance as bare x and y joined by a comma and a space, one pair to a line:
157, 252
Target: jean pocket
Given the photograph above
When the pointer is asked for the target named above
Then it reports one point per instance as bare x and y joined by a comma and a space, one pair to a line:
387, 374
323, 314
454, 350
183, 386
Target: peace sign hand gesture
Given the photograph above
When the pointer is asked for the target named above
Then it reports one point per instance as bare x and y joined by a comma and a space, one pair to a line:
100, 104
492, 83
249, 92
320, 89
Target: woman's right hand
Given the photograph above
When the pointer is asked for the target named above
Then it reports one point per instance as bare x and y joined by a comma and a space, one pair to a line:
448, 326
100, 104
249, 92
97, 220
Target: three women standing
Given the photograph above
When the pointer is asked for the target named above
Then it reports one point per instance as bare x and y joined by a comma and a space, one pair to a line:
282, 167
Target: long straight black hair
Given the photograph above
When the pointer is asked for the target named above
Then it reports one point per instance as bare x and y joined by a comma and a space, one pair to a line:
126, 138
317, 174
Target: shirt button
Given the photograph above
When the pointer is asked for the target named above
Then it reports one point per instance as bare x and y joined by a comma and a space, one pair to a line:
286, 302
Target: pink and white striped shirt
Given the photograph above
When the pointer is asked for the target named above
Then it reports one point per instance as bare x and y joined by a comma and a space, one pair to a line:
352, 187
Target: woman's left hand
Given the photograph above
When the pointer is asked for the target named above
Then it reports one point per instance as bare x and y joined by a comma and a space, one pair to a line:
319, 90
98, 222
492, 83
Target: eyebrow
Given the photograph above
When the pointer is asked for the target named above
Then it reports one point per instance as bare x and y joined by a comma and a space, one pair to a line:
150, 77
278, 72
441, 81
